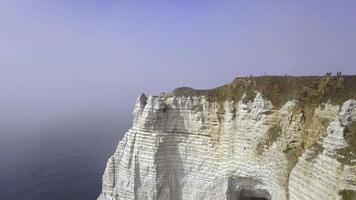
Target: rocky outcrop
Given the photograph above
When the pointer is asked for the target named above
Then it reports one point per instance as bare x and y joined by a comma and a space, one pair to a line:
240, 141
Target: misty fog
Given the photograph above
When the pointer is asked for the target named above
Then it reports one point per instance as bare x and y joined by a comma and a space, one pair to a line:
70, 72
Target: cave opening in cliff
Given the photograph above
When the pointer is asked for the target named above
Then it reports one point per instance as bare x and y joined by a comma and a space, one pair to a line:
241, 188
252, 194
254, 198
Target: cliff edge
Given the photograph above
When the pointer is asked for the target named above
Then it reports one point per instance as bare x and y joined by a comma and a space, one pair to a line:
260, 138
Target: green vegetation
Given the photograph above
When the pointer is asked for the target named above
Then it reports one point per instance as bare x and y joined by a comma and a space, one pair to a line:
347, 194
288, 149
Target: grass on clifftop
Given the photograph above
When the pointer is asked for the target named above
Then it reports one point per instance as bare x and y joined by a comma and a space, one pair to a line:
308, 90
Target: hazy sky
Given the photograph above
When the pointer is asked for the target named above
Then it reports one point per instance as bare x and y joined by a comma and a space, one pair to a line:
64, 56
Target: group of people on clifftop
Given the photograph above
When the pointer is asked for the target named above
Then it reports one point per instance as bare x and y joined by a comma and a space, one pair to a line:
327, 74
337, 74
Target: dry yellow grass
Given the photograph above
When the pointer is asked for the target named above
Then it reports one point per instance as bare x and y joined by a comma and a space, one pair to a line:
308, 90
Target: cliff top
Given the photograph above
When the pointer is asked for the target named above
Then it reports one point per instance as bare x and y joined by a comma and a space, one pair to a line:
308, 90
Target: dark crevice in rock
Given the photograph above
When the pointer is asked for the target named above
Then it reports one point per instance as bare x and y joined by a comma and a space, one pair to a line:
245, 189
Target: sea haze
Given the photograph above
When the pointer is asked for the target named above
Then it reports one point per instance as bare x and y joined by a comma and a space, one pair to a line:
65, 160
70, 72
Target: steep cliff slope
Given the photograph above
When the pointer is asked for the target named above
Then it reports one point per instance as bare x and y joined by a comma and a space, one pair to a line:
279, 138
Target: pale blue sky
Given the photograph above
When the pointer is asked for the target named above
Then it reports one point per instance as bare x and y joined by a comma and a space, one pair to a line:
99, 55
70, 71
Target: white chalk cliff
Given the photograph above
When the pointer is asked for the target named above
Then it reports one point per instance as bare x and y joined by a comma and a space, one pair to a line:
195, 147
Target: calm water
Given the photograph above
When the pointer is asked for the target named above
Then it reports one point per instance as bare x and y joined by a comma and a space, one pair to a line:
63, 161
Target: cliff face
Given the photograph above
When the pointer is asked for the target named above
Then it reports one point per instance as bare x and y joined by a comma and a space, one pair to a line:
279, 138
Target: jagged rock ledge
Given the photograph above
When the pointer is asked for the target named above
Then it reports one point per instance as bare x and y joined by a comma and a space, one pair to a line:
279, 138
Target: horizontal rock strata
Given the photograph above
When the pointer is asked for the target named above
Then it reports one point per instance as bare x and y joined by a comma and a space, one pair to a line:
183, 147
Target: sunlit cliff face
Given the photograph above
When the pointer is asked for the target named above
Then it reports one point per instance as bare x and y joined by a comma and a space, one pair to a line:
218, 144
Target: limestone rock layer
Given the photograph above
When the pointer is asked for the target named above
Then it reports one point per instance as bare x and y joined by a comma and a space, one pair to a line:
183, 147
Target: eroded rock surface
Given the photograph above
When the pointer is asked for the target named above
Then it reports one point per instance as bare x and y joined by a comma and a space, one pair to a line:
183, 147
